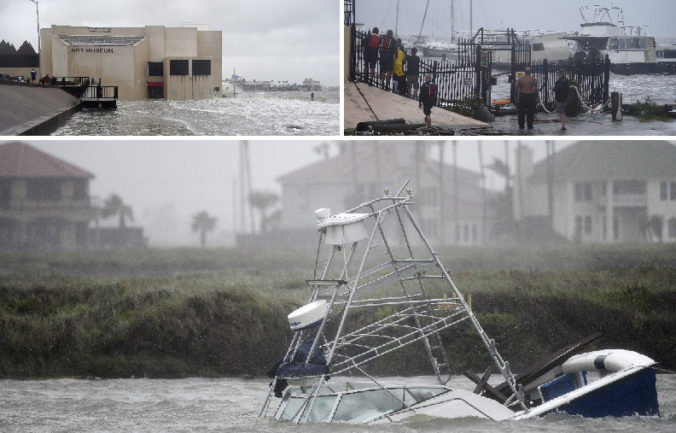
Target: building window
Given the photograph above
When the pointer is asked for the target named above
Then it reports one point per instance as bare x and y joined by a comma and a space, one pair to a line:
475, 233
672, 192
622, 187
201, 67
44, 190
578, 226
588, 225
466, 233
155, 69
664, 193
179, 67
672, 228
583, 191
616, 228
80, 189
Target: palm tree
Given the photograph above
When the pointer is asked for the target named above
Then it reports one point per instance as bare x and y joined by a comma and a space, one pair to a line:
114, 205
263, 200
202, 222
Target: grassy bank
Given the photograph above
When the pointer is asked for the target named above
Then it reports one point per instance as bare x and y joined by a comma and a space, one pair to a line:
184, 313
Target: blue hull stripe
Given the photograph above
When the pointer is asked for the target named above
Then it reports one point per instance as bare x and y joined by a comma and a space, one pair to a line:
633, 395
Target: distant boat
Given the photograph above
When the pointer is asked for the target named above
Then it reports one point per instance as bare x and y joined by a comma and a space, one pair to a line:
604, 33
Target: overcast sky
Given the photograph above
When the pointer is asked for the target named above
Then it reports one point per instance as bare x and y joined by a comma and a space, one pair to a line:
264, 39
557, 15
166, 182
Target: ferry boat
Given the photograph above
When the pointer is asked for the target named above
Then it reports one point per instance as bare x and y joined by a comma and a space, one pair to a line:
378, 287
604, 33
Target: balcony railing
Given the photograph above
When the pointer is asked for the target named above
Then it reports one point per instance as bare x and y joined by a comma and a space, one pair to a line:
626, 200
27, 204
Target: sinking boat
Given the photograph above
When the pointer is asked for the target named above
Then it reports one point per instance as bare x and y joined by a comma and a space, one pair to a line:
378, 286
604, 33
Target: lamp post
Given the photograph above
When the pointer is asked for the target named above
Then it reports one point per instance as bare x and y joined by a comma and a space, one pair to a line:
37, 12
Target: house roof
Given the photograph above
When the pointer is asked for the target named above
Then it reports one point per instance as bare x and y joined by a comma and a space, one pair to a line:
596, 160
20, 160
373, 162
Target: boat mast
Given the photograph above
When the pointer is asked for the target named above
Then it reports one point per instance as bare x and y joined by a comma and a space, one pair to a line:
422, 24
452, 21
471, 18
396, 23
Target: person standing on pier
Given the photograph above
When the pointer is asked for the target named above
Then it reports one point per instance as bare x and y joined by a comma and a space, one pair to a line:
428, 98
561, 96
388, 48
527, 90
370, 43
399, 84
412, 71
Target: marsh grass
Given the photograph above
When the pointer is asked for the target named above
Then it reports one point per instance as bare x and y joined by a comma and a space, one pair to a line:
179, 313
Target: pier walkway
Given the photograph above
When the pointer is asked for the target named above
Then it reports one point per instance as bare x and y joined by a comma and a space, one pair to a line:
32, 109
364, 103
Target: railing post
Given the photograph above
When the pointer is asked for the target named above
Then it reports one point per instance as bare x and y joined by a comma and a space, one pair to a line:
477, 73
606, 79
512, 89
545, 81
353, 51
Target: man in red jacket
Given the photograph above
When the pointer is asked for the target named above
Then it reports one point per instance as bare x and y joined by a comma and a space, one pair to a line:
370, 43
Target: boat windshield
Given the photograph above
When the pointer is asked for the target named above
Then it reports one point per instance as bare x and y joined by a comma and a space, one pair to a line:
356, 406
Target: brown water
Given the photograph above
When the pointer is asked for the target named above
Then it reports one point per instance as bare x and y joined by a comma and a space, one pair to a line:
232, 405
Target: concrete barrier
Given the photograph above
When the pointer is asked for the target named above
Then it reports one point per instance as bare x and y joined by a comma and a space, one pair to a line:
34, 110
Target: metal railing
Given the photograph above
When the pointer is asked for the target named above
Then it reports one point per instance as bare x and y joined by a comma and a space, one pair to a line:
466, 78
100, 92
591, 77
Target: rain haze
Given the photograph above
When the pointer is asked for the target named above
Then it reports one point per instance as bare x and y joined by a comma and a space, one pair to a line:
546, 15
167, 182
262, 39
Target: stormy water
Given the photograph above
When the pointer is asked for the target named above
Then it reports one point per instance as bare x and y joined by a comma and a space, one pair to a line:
260, 114
660, 89
232, 405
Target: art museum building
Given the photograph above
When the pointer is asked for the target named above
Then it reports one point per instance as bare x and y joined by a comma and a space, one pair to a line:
177, 63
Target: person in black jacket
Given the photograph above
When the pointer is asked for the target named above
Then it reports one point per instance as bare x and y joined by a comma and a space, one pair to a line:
412, 71
561, 96
428, 97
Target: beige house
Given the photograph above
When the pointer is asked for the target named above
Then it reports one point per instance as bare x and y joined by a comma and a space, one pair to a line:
177, 63
448, 214
44, 201
602, 191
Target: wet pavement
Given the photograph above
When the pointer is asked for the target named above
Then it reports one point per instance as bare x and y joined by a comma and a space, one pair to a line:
597, 124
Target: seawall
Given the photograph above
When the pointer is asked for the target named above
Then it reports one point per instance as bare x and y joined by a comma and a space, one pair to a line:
34, 110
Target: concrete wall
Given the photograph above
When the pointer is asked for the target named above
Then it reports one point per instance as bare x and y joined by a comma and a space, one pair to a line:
210, 45
180, 42
46, 52
155, 35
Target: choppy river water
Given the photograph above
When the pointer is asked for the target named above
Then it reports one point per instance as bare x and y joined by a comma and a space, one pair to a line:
231, 405
273, 113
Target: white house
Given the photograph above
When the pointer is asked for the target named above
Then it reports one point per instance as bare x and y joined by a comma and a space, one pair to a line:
602, 191
363, 170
